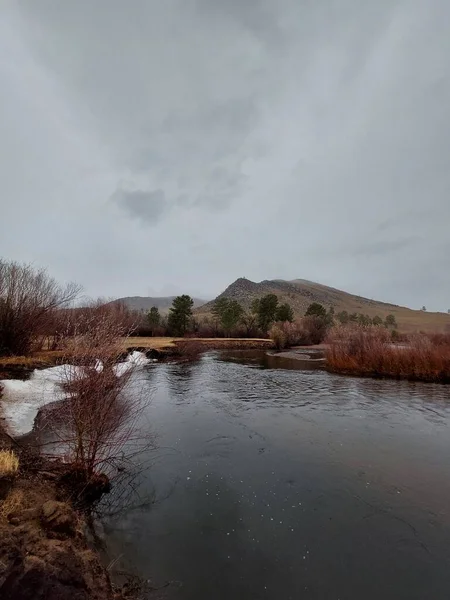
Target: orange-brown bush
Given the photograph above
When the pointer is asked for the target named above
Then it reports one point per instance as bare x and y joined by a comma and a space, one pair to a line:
440, 339
370, 351
286, 335
189, 349
309, 331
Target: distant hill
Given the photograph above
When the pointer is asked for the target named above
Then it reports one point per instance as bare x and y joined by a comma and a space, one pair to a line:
144, 303
300, 293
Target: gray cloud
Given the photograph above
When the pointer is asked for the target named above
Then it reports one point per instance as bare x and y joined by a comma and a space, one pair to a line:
268, 139
148, 206
385, 247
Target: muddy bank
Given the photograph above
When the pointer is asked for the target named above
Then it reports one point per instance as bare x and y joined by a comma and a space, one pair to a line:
49, 543
21, 367
44, 552
304, 353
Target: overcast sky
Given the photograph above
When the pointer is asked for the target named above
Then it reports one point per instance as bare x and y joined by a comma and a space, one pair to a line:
154, 147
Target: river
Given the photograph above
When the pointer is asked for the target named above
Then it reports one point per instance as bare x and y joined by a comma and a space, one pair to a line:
287, 484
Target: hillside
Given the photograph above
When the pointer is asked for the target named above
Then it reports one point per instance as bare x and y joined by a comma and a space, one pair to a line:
300, 293
144, 303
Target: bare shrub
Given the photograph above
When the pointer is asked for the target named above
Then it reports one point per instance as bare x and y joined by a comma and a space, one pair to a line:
286, 335
315, 329
279, 336
307, 332
29, 298
207, 329
72, 322
370, 351
440, 339
189, 349
95, 425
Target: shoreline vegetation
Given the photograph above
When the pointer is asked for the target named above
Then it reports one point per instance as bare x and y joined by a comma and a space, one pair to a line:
371, 352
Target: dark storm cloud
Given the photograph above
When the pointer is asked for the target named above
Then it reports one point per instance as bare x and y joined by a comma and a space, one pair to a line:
284, 139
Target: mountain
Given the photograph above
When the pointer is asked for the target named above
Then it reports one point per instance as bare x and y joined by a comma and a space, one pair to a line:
300, 293
144, 303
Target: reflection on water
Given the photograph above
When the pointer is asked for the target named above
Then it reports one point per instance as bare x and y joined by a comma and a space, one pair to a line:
272, 483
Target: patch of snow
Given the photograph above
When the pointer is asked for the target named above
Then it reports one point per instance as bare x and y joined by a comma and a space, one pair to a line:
122, 368
22, 400
133, 360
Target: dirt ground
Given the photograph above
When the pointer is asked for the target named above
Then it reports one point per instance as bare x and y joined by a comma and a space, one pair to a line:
43, 545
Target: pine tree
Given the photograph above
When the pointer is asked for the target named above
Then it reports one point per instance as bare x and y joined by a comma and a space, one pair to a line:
180, 314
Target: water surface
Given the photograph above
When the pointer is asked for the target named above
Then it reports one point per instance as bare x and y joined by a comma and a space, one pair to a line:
287, 484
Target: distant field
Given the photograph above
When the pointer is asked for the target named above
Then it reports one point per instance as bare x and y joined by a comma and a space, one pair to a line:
159, 343
416, 320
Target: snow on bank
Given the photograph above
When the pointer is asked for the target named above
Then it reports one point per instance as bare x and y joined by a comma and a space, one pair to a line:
135, 359
22, 400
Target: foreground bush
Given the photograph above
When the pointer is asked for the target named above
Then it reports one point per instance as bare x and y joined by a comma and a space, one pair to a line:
370, 351
95, 419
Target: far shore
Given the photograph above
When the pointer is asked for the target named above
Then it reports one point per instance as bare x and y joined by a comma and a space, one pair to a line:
11, 366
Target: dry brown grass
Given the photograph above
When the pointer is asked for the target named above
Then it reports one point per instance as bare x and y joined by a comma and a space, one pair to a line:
369, 351
159, 343
41, 358
13, 502
9, 463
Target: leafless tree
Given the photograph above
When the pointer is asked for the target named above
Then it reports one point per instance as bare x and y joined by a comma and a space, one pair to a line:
249, 321
28, 299
95, 424
68, 323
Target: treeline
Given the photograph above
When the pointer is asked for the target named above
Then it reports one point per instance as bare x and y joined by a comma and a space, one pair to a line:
37, 312
345, 318
265, 317
228, 318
